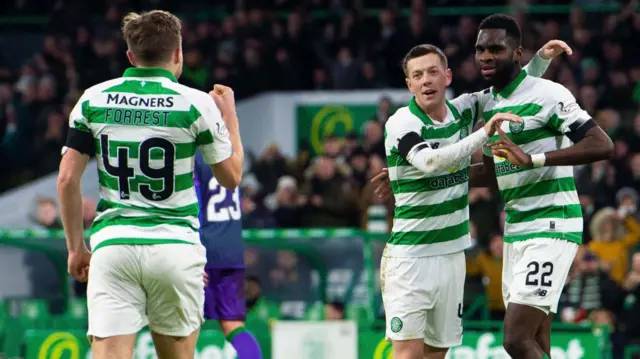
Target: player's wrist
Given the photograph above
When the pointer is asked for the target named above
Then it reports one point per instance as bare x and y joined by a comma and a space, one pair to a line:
537, 160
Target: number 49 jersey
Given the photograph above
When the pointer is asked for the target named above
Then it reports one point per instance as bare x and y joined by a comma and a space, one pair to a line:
220, 219
145, 128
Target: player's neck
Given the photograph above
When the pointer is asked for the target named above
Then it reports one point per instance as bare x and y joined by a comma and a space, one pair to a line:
500, 83
437, 112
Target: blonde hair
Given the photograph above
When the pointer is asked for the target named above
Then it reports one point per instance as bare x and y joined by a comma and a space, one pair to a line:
152, 36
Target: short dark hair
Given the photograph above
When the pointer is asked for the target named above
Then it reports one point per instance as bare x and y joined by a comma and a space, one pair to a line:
504, 22
422, 50
152, 36
337, 305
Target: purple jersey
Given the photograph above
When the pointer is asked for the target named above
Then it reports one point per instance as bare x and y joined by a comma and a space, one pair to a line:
220, 219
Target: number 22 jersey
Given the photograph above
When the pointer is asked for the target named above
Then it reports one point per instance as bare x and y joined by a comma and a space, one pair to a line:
220, 219
145, 128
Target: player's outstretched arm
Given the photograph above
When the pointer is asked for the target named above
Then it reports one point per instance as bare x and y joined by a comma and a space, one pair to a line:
591, 143
541, 61
417, 152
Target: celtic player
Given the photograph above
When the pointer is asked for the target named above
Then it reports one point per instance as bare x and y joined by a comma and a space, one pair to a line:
428, 152
533, 163
147, 263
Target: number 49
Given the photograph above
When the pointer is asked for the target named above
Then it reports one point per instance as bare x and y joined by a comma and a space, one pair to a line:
534, 277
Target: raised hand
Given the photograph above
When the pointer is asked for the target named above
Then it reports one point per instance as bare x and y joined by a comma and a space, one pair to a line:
505, 148
495, 121
554, 48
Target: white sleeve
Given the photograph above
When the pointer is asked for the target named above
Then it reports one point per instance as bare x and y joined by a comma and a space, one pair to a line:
430, 161
468, 106
212, 137
537, 66
567, 115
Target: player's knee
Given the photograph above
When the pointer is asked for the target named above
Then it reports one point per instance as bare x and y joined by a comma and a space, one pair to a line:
408, 349
516, 344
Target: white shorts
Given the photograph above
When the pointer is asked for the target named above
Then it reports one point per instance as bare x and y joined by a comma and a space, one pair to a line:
423, 298
535, 271
131, 286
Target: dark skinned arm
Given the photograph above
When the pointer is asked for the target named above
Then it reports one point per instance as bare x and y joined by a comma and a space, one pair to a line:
593, 147
590, 142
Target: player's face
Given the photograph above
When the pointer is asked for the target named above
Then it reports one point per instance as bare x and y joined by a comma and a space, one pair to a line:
495, 55
427, 79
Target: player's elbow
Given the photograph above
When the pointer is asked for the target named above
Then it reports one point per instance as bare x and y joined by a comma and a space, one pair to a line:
230, 180
605, 149
67, 180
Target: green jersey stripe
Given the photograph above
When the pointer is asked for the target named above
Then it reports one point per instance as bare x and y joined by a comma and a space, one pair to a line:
430, 183
192, 210
575, 237
561, 212
81, 126
142, 221
527, 109
430, 237
427, 211
182, 182
528, 136
144, 117
183, 150
138, 88
538, 189
204, 138
137, 241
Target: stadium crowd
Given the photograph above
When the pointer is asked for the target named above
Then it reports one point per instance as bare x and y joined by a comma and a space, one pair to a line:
254, 51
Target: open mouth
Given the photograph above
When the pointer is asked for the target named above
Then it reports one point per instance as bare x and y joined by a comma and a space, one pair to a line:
429, 92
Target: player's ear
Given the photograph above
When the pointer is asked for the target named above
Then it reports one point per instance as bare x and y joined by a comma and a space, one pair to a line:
177, 55
408, 82
518, 54
449, 76
132, 59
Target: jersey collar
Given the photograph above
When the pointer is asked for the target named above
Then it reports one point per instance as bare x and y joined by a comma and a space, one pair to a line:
149, 72
508, 90
417, 111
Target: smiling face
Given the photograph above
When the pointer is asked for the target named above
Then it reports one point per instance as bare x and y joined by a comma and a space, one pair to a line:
428, 78
496, 54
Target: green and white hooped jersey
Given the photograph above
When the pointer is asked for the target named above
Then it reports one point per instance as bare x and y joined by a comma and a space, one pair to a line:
147, 128
431, 215
539, 202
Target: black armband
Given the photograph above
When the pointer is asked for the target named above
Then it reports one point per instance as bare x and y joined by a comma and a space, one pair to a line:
578, 130
82, 141
407, 142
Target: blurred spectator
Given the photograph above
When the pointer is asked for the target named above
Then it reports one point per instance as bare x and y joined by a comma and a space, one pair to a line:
589, 288
45, 214
488, 265
327, 196
287, 202
334, 311
631, 304
609, 241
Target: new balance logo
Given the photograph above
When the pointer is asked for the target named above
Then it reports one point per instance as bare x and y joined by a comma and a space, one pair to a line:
434, 145
540, 292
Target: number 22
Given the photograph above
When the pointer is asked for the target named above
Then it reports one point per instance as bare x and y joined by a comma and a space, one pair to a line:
224, 204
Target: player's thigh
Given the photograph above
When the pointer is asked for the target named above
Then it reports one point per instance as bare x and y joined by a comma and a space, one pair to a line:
116, 300
173, 276
224, 295
169, 347
444, 320
540, 272
406, 296
120, 346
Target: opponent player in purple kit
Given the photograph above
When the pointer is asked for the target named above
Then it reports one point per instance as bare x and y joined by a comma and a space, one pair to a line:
221, 235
